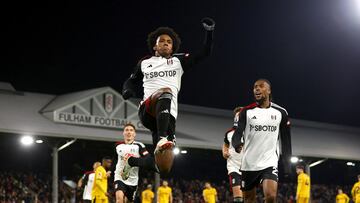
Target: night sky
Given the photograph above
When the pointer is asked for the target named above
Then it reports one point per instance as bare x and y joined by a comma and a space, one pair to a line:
308, 49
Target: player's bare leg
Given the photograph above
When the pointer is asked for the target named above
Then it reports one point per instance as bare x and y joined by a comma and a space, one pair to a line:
237, 194
120, 197
250, 196
270, 190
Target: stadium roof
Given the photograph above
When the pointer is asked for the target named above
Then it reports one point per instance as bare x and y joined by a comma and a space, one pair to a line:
197, 127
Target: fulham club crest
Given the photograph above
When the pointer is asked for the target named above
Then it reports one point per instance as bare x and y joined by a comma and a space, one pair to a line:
109, 102
169, 61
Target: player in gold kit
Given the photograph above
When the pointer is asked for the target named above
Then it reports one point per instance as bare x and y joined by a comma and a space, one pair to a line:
303, 187
99, 192
355, 191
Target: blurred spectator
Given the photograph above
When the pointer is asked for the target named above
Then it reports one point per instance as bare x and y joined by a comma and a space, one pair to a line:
16, 187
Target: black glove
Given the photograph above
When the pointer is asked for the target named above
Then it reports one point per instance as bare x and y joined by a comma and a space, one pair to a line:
127, 94
208, 23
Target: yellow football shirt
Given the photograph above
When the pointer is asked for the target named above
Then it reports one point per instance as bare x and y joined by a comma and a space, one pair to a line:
303, 187
342, 198
164, 194
209, 195
147, 196
100, 184
355, 192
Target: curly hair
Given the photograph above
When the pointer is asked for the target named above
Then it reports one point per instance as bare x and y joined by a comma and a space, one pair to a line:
152, 37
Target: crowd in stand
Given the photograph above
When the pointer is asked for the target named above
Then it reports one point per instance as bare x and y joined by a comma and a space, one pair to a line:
28, 187
16, 187
185, 191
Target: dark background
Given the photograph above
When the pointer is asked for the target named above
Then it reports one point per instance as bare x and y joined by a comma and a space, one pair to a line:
308, 49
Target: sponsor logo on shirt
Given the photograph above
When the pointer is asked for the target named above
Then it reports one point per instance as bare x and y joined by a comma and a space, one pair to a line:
161, 74
269, 128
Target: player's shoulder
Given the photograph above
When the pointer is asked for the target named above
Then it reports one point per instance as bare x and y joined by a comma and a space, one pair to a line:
181, 56
304, 175
230, 130
145, 59
279, 108
100, 168
249, 107
88, 172
140, 144
119, 143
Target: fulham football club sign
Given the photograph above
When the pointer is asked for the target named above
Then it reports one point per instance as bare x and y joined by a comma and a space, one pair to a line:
102, 107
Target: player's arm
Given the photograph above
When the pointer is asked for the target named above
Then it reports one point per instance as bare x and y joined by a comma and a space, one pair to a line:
225, 151
285, 137
237, 138
143, 151
347, 198
115, 157
170, 197
80, 182
225, 147
353, 192
158, 195
216, 196
152, 196
189, 60
144, 161
132, 82
204, 196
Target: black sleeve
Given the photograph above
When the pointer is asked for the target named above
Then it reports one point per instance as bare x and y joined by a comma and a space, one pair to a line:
142, 150
115, 158
226, 141
85, 179
285, 138
132, 82
188, 60
237, 139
